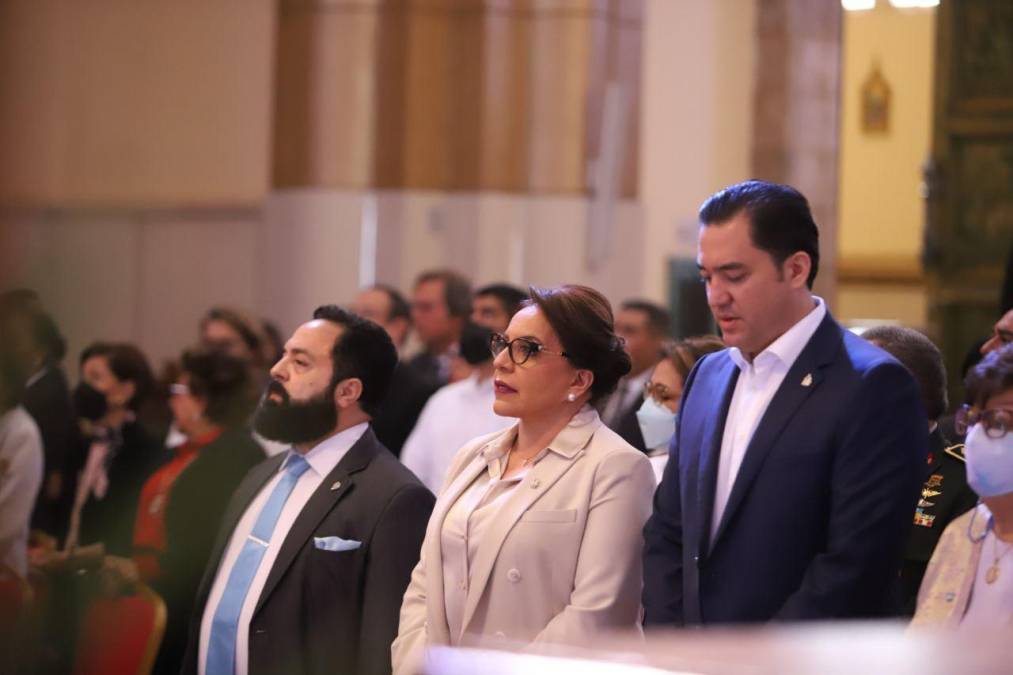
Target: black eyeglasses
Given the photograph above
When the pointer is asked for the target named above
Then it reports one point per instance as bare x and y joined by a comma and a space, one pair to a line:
519, 349
996, 422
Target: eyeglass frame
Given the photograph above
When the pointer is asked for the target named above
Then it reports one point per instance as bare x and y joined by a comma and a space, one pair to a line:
508, 346
650, 387
967, 416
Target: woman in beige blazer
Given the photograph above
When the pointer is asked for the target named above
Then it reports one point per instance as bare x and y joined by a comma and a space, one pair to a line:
536, 534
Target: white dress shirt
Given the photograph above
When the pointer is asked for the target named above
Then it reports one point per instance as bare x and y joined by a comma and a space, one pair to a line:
452, 416
322, 460
756, 386
20, 478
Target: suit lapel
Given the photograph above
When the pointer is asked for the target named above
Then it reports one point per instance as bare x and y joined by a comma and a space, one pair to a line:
803, 378
335, 485
537, 482
434, 544
721, 389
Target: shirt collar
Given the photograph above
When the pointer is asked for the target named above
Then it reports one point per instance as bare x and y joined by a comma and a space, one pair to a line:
324, 456
788, 346
567, 443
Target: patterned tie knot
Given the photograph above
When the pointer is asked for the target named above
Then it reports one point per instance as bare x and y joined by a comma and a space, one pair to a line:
296, 465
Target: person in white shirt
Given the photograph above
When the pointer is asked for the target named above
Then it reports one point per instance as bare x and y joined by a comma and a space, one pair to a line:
20, 479
455, 414
799, 452
20, 456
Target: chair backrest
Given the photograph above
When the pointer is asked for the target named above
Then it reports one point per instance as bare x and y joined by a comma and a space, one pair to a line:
120, 635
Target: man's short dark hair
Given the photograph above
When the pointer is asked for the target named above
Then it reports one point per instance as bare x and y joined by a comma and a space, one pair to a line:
363, 350
399, 307
456, 290
780, 221
509, 296
659, 321
920, 356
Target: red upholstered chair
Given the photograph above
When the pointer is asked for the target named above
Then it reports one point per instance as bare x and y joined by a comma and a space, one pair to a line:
15, 608
120, 635
15, 599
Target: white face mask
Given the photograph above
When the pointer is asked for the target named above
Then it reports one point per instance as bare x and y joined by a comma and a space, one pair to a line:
657, 424
989, 462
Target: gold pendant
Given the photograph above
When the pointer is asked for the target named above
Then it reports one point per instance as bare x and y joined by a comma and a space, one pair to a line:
992, 574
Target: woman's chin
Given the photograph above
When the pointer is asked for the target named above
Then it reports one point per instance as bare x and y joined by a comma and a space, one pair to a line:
505, 408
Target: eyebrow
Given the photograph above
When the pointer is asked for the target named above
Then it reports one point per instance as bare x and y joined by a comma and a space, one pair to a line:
727, 267
297, 350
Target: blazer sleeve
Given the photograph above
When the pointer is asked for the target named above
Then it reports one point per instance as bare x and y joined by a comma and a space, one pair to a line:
880, 454
663, 539
393, 552
609, 573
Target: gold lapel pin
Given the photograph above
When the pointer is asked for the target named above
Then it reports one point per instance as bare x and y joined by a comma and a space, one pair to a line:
807, 380
337, 484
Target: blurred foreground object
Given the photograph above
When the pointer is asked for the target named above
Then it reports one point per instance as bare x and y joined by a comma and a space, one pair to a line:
824, 649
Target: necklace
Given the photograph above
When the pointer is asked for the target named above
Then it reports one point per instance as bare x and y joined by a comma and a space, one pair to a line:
992, 573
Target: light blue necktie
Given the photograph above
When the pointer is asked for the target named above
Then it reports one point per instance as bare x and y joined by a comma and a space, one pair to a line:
225, 625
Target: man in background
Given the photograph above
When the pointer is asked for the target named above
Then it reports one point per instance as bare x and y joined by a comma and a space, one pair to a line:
409, 392
494, 305
945, 493
441, 304
644, 328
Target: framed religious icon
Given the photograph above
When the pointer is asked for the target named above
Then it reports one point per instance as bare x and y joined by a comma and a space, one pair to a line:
875, 102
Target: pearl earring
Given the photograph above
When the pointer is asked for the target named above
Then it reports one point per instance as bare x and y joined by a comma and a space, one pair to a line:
571, 397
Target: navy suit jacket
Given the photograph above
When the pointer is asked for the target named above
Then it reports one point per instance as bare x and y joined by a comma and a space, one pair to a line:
819, 513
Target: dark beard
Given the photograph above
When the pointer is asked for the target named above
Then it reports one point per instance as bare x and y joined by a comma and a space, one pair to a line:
295, 421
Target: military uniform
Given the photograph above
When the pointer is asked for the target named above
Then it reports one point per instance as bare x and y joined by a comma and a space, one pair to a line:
945, 496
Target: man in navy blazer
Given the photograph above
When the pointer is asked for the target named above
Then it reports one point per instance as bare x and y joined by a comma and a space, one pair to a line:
796, 462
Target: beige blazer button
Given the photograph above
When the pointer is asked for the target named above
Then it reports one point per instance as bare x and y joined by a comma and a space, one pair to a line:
514, 575
535, 483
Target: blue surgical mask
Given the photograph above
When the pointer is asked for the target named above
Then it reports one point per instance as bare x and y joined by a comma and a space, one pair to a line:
989, 462
657, 424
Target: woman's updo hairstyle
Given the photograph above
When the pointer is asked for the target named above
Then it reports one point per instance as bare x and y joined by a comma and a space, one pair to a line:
582, 318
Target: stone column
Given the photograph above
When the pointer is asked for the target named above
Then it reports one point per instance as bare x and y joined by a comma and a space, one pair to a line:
796, 111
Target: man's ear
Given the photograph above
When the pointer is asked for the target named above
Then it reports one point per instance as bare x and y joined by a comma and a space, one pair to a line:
797, 267
347, 393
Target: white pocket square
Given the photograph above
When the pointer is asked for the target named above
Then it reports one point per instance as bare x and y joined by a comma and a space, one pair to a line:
335, 544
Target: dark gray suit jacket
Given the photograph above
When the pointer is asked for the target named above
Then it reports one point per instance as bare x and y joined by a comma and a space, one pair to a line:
323, 611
